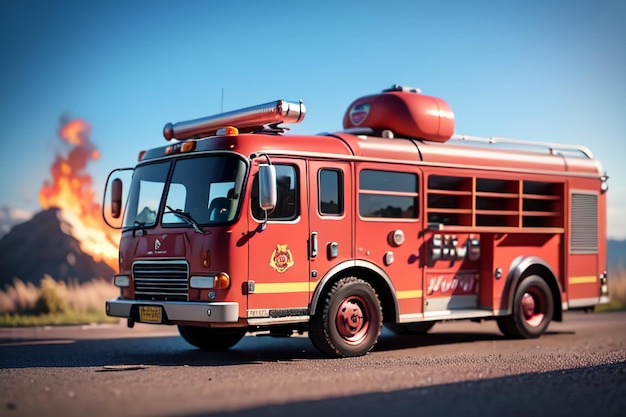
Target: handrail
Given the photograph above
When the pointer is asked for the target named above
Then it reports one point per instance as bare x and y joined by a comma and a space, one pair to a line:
552, 147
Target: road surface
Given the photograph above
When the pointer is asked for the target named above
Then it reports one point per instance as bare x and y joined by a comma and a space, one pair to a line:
578, 368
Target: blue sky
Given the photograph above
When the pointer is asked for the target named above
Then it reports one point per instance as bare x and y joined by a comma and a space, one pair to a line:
538, 70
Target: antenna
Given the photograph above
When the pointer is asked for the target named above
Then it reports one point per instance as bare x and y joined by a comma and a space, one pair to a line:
222, 108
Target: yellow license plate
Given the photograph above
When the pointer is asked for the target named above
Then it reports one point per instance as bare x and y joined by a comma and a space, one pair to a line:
150, 314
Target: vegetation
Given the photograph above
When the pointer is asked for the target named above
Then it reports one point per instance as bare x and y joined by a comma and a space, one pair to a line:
617, 291
55, 303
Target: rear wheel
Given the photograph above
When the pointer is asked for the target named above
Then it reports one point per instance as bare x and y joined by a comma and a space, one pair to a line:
350, 320
533, 309
207, 338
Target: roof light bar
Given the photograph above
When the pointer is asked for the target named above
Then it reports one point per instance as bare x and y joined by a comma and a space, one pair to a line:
274, 112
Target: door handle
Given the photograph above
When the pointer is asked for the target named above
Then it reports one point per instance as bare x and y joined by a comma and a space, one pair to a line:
314, 247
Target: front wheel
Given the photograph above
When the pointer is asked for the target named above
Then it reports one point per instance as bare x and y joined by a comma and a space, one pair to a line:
207, 338
350, 321
533, 309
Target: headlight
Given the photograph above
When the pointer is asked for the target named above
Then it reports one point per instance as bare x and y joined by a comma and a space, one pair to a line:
121, 280
219, 281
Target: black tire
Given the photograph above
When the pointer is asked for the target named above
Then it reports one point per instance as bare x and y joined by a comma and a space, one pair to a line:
350, 319
206, 338
533, 309
410, 328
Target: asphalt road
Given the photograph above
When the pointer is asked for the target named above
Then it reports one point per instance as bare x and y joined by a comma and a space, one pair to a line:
577, 369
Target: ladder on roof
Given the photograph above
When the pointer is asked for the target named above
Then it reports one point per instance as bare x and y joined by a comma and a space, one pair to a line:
553, 148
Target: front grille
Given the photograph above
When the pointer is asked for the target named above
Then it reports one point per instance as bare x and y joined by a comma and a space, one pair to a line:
161, 280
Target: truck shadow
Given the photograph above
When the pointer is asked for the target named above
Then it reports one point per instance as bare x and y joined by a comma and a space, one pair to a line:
136, 353
390, 341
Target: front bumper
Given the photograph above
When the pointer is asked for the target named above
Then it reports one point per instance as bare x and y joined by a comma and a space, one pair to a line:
217, 312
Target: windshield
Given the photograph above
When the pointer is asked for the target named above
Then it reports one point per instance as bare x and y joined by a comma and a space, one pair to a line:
202, 191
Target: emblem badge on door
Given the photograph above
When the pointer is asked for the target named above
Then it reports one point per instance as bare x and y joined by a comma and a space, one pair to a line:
281, 259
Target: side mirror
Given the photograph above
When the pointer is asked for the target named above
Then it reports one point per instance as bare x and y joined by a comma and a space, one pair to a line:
113, 200
267, 187
116, 198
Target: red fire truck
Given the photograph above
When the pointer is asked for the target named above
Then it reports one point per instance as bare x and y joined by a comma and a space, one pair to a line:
236, 227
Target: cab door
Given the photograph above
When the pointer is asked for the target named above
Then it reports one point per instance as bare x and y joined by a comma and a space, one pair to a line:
389, 227
278, 284
331, 225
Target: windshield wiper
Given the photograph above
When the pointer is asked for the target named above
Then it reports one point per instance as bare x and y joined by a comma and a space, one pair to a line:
187, 218
138, 226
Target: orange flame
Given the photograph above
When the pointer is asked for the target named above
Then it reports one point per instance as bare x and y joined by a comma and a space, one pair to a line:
71, 191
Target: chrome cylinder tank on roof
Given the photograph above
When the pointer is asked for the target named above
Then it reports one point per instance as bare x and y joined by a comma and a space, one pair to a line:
274, 112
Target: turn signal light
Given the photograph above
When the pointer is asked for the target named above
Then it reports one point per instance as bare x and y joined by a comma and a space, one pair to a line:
222, 281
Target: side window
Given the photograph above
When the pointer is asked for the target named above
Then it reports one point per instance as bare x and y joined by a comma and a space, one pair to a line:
388, 194
287, 198
330, 192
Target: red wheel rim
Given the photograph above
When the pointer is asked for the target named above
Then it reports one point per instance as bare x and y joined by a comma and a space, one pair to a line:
533, 306
353, 318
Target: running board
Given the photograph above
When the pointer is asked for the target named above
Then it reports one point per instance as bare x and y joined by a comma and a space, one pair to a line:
267, 321
445, 315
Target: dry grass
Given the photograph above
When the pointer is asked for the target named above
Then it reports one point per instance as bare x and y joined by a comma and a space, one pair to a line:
617, 290
19, 298
54, 302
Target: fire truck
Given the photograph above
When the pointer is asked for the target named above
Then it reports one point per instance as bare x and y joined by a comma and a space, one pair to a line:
236, 226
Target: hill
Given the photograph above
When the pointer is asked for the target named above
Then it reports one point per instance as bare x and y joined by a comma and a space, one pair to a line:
45, 245
616, 253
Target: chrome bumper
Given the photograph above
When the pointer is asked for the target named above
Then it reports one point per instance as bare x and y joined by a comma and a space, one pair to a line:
218, 312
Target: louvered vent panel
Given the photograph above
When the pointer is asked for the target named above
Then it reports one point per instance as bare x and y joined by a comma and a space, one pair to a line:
584, 222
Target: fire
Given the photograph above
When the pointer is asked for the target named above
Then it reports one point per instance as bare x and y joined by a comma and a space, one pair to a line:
71, 190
